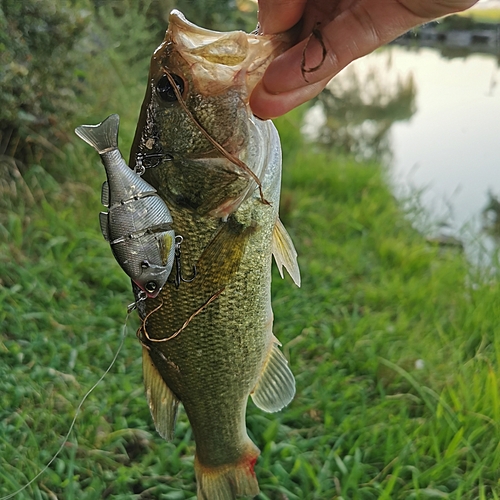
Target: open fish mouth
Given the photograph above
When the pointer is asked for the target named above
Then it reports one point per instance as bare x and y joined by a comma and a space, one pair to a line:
216, 60
196, 114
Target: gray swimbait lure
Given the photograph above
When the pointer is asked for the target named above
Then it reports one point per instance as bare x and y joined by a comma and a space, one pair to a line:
138, 222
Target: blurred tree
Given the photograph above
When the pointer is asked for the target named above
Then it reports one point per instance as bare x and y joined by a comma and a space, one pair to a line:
38, 74
491, 216
43, 49
359, 112
220, 15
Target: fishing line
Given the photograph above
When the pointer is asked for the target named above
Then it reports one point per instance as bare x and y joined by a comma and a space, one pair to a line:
78, 409
233, 159
142, 329
316, 33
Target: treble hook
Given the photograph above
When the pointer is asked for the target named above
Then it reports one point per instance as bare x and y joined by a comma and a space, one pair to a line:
179, 278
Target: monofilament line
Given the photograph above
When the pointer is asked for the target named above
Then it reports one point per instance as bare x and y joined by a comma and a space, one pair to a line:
122, 340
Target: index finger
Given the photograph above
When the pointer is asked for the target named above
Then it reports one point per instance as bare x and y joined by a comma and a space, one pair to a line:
355, 32
277, 16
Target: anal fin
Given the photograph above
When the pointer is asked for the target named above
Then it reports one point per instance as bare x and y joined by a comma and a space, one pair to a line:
284, 252
162, 402
276, 386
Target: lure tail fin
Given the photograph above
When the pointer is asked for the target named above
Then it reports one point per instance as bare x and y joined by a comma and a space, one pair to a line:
103, 136
229, 481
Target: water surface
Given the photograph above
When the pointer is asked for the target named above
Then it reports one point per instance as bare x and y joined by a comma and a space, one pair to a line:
450, 146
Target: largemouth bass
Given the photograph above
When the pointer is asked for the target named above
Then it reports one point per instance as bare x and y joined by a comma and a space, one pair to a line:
209, 343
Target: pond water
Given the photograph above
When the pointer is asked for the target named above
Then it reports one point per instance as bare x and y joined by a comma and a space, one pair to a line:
449, 146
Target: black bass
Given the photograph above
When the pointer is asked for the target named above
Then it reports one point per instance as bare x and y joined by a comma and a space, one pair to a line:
138, 224
209, 343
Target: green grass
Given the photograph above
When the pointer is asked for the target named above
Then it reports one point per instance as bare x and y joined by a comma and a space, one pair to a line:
394, 343
366, 422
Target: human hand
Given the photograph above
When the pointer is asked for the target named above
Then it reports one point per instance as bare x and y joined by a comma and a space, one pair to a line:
333, 33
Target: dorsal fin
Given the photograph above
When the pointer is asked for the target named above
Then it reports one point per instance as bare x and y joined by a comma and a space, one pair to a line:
284, 252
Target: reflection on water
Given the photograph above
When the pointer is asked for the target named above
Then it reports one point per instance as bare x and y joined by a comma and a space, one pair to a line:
491, 217
450, 146
356, 113
455, 36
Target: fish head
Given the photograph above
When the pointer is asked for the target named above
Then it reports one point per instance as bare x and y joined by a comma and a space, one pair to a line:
194, 120
152, 279
158, 252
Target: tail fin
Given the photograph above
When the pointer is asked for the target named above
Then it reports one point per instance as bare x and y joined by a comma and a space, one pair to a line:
103, 136
229, 481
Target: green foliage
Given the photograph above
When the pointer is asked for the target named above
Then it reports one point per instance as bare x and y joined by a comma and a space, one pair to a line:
38, 77
487, 16
220, 15
471, 20
47, 56
225, 15
456, 22
393, 343
491, 216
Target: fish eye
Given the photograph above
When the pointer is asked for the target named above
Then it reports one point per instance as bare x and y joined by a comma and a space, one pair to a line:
165, 89
151, 286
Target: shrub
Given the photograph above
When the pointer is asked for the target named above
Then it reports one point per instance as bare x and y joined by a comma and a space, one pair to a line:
38, 74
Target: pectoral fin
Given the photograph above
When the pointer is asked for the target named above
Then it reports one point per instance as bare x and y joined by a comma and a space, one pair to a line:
222, 257
105, 194
284, 252
162, 402
276, 386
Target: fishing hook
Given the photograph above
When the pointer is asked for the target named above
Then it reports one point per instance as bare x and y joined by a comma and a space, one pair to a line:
316, 33
141, 158
179, 278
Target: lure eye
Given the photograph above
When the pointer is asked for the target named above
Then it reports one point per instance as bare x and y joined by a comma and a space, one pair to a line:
165, 89
151, 286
